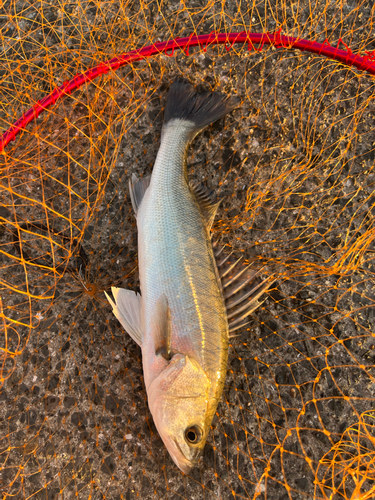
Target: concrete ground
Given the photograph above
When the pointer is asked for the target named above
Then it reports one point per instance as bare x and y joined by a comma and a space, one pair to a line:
294, 167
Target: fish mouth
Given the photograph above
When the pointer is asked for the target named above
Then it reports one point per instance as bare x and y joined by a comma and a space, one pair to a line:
186, 468
183, 463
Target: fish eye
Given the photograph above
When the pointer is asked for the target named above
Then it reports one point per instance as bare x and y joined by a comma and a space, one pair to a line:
193, 434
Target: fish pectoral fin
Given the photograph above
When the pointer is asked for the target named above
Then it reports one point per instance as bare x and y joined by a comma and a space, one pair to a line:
138, 188
162, 328
127, 309
207, 202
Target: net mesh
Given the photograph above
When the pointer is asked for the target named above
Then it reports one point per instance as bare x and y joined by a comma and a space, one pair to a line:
294, 167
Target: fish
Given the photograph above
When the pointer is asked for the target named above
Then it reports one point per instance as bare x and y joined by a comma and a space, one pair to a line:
193, 294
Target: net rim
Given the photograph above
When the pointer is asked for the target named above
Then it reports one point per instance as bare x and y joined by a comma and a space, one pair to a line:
276, 39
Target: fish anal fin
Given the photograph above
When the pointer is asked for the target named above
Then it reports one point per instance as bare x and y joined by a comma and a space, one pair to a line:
127, 308
138, 188
162, 328
207, 202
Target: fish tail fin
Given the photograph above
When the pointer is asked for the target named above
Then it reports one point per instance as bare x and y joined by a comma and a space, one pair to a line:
184, 103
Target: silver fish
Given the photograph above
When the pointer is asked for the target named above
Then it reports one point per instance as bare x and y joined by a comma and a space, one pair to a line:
191, 295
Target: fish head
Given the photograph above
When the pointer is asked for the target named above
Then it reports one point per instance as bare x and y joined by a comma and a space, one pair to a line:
179, 402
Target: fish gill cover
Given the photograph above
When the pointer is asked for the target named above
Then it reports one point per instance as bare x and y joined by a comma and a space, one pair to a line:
294, 167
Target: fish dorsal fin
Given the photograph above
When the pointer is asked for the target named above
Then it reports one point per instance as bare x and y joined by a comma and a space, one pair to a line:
137, 188
207, 201
162, 328
128, 309
241, 287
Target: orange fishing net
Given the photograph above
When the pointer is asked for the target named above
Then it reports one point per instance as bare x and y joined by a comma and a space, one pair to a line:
294, 167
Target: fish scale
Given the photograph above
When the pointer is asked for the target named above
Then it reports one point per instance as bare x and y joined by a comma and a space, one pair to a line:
182, 265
